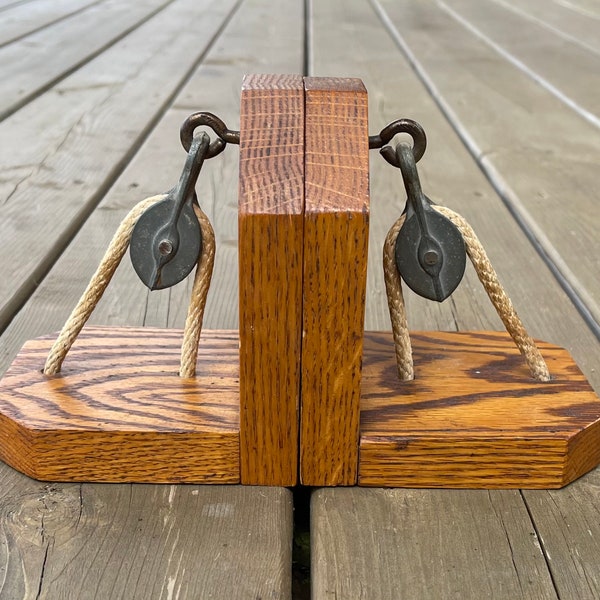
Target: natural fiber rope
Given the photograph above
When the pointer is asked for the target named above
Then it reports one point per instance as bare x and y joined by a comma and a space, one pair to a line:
489, 279
193, 322
104, 273
393, 287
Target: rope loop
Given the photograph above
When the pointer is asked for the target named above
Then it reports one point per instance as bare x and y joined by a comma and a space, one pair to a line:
104, 273
488, 278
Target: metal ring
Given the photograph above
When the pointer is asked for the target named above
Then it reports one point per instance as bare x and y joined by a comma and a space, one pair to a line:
395, 127
224, 136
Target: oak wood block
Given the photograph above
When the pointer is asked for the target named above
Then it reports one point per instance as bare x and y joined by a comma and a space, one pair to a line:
473, 417
271, 206
120, 412
336, 231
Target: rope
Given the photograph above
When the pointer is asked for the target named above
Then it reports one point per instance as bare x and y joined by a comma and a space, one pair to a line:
104, 273
193, 322
393, 288
489, 279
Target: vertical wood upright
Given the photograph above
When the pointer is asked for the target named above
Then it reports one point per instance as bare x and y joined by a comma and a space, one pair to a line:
336, 235
271, 206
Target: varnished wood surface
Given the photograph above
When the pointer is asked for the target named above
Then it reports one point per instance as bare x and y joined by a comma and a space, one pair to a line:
336, 230
473, 417
271, 246
119, 411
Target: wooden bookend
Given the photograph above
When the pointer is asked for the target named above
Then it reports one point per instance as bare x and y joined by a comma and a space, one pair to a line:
119, 411
336, 231
473, 417
271, 207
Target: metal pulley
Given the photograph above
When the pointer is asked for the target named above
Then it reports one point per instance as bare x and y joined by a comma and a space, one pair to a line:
166, 241
430, 251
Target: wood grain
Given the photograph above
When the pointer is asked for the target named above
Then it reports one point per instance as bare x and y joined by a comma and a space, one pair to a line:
386, 544
473, 417
45, 57
66, 540
120, 412
271, 212
336, 232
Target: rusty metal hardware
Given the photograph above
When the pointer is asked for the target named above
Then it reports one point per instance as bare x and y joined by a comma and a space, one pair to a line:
224, 136
385, 136
430, 251
167, 240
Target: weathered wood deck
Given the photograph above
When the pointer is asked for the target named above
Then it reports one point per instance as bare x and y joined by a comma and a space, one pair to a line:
92, 94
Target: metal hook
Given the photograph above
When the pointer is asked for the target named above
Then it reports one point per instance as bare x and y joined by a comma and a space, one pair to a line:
386, 135
224, 136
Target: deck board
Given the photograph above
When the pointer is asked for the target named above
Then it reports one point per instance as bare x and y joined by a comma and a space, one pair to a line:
142, 541
392, 544
565, 19
32, 64
25, 19
567, 68
566, 522
82, 133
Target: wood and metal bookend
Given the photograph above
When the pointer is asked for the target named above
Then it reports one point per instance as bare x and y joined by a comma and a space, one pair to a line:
301, 394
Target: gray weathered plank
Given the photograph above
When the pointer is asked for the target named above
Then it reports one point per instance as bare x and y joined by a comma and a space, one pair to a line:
564, 18
215, 86
142, 541
24, 19
570, 70
541, 154
346, 520
389, 544
31, 65
567, 523
65, 149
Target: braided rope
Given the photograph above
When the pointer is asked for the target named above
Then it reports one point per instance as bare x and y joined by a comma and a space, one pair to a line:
195, 315
393, 288
104, 273
489, 279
